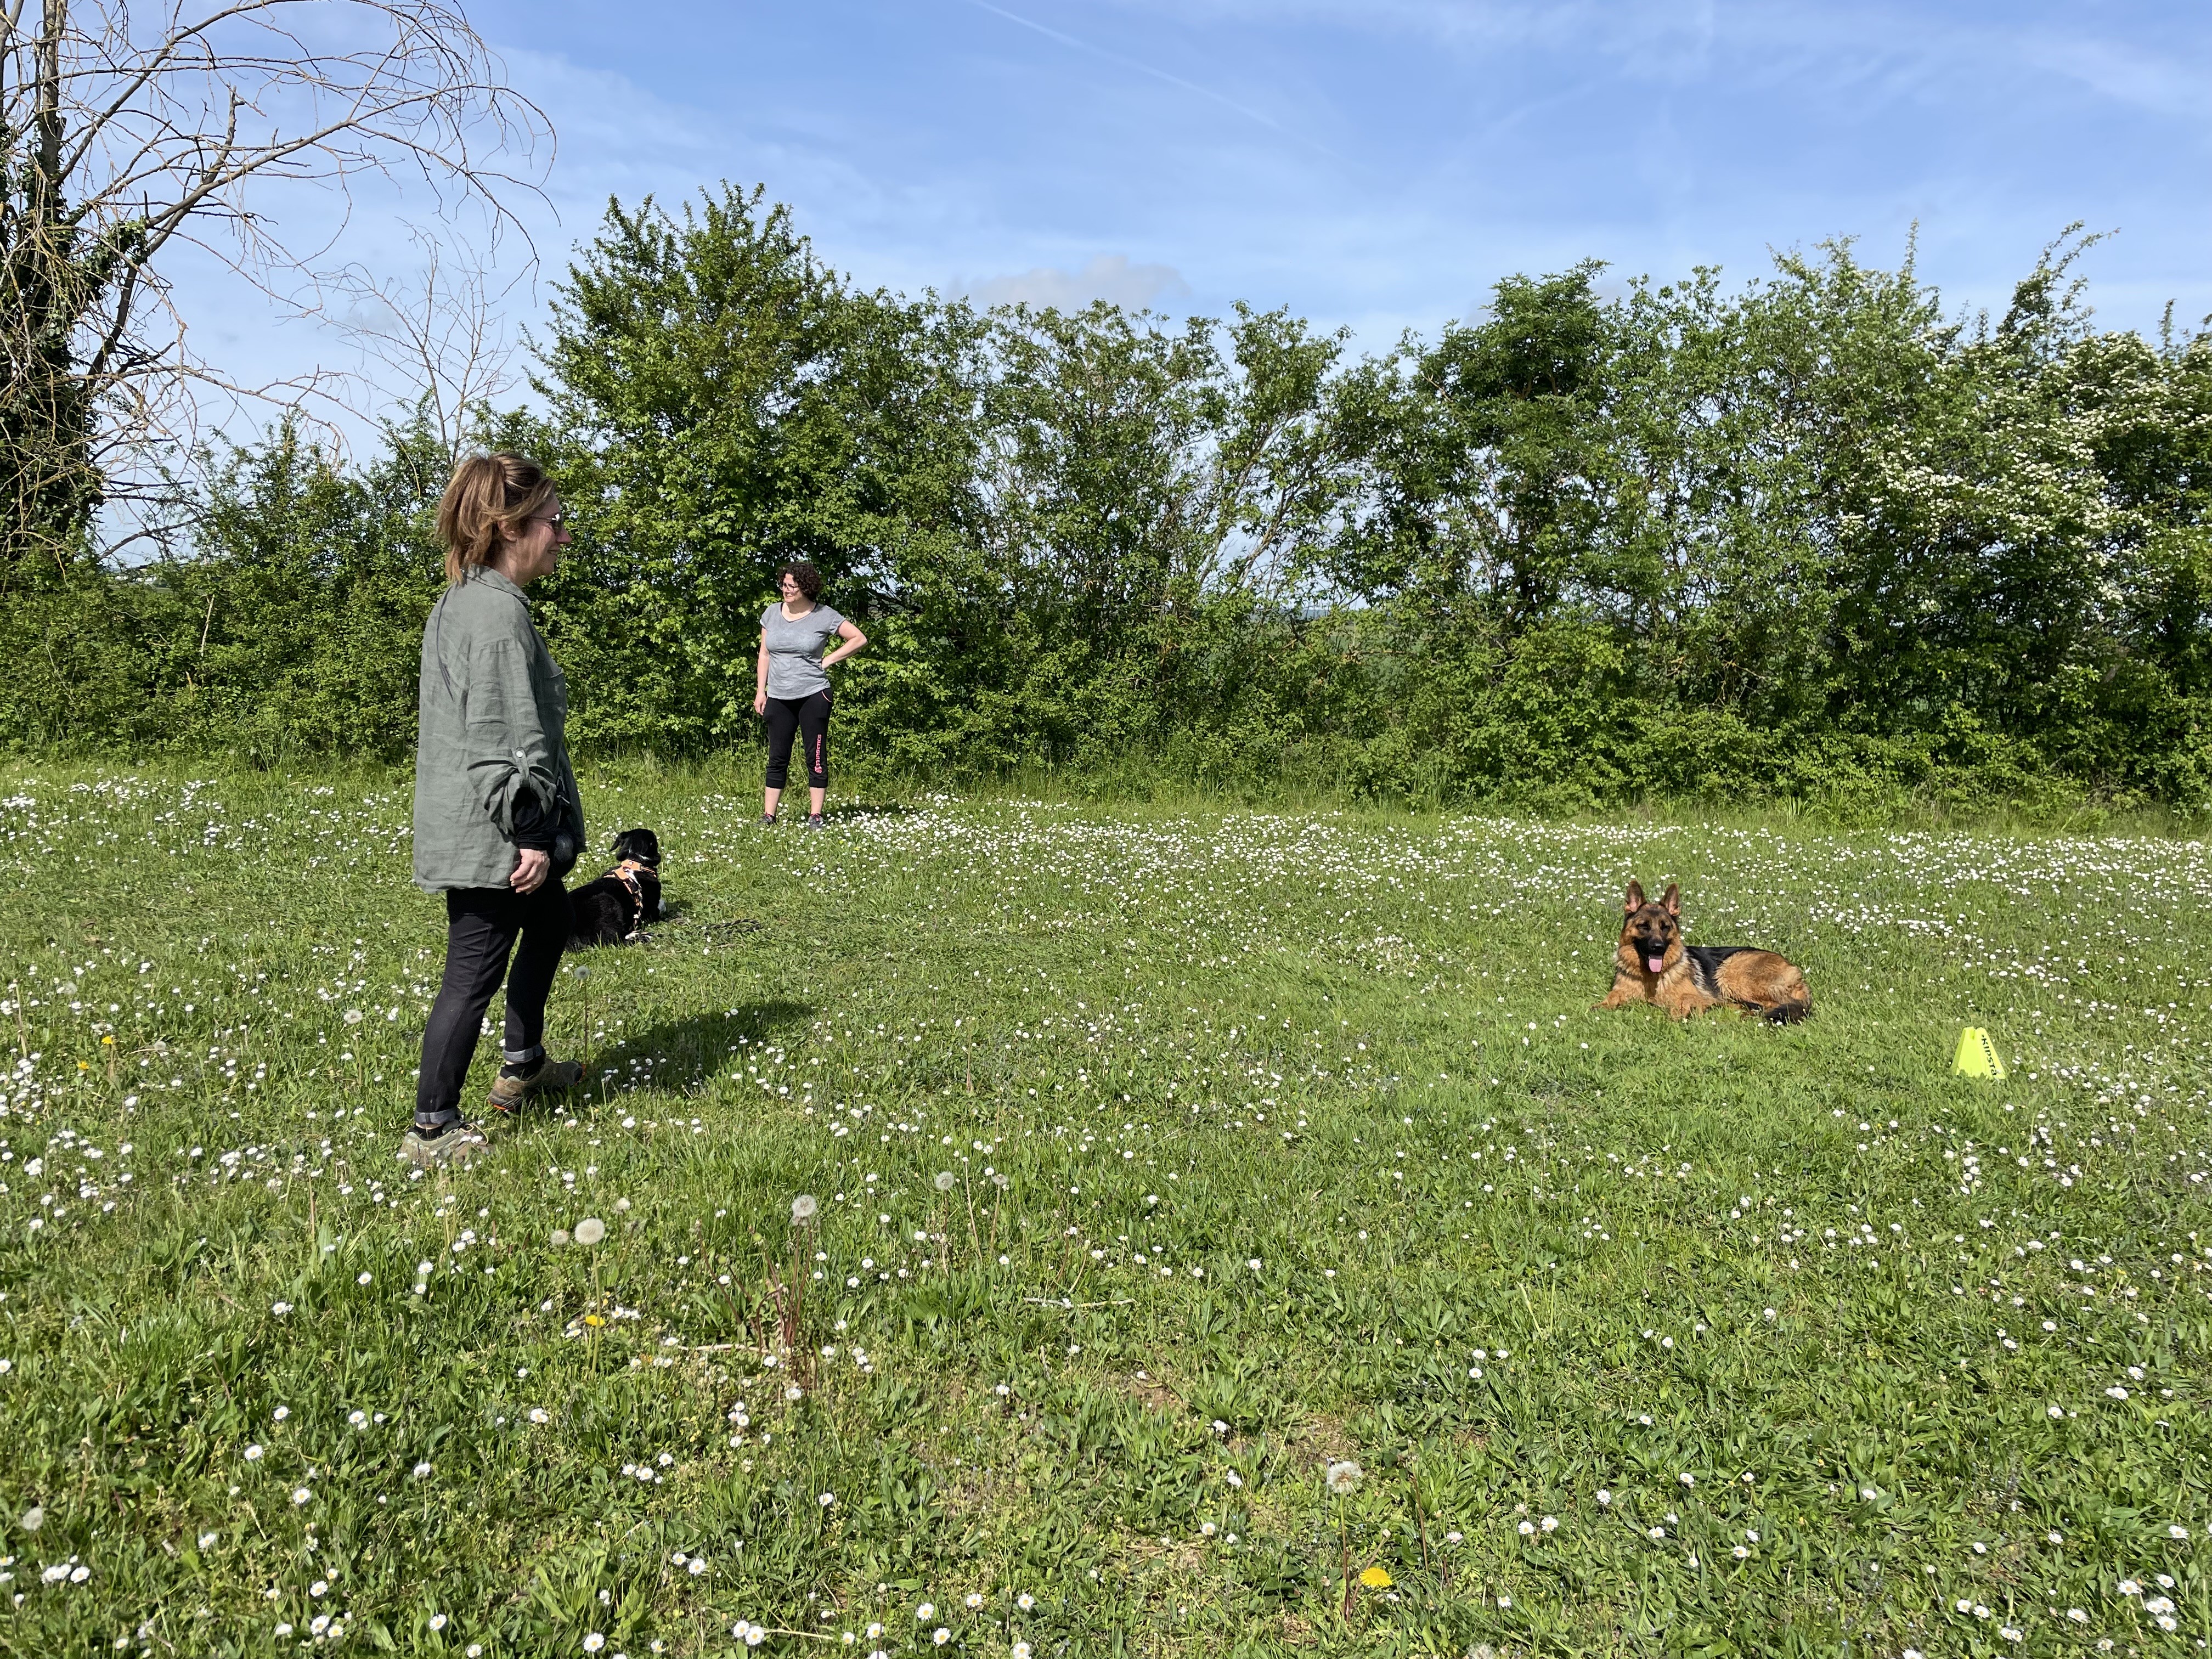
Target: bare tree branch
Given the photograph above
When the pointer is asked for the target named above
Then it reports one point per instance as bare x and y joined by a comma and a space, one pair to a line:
127, 129
439, 335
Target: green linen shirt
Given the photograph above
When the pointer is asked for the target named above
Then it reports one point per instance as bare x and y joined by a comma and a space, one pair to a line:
494, 714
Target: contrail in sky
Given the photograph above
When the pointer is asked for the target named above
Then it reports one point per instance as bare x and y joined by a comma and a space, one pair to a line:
1081, 45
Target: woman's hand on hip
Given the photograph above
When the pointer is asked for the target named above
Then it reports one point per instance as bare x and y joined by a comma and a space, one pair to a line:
530, 869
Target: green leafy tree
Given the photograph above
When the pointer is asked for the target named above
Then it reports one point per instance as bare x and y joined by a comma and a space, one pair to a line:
719, 402
1807, 535
1153, 495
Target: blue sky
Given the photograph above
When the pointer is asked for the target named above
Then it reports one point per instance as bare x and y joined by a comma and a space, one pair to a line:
1376, 164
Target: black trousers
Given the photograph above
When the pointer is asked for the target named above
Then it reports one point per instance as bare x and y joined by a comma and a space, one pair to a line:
481, 925
809, 715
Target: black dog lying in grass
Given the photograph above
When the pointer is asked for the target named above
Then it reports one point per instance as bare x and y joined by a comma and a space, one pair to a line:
612, 909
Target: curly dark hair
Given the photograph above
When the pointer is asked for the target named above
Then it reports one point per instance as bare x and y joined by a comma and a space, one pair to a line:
808, 577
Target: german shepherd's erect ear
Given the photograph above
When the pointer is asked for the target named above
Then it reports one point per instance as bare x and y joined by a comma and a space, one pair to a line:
1652, 965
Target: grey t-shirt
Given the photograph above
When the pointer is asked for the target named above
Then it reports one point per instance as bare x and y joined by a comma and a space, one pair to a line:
795, 648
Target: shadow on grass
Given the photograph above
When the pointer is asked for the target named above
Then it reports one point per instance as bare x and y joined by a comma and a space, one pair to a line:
682, 1054
682, 926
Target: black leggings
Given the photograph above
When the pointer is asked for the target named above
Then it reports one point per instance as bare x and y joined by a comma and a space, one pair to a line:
786, 715
481, 924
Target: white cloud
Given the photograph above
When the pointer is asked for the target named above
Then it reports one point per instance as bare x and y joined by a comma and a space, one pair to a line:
1466, 138
1109, 276
2165, 83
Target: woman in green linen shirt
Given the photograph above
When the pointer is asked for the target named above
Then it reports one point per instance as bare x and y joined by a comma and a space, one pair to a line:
498, 821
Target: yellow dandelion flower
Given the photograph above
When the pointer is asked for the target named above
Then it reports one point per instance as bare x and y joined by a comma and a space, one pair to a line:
1376, 1578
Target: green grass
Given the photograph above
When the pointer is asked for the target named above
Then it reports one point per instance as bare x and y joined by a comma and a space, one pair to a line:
1271, 1140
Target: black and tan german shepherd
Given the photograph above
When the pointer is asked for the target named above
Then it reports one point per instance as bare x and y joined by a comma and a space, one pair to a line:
1653, 964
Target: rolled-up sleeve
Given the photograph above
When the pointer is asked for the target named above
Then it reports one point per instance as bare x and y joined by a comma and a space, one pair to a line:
509, 751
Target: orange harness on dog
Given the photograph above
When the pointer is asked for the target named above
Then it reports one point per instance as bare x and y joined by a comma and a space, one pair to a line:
626, 873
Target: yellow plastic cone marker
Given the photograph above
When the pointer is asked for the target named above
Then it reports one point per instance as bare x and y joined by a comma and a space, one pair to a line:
1977, 1056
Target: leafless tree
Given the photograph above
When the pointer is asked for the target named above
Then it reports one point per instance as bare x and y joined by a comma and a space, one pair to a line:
128, 133
437, 337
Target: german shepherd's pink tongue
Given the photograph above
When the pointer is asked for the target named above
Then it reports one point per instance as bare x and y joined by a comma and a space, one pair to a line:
1652, 963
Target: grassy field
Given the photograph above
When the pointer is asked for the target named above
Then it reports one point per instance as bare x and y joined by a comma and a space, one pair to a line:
1157, 1161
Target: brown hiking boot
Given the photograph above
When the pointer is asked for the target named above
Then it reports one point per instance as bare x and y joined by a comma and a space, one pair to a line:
455, 1145
517, 1085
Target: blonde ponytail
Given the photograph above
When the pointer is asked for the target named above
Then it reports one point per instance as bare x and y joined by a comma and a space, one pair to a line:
487, 501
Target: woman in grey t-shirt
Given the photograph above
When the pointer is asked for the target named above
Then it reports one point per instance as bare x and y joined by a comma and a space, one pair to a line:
792, 683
